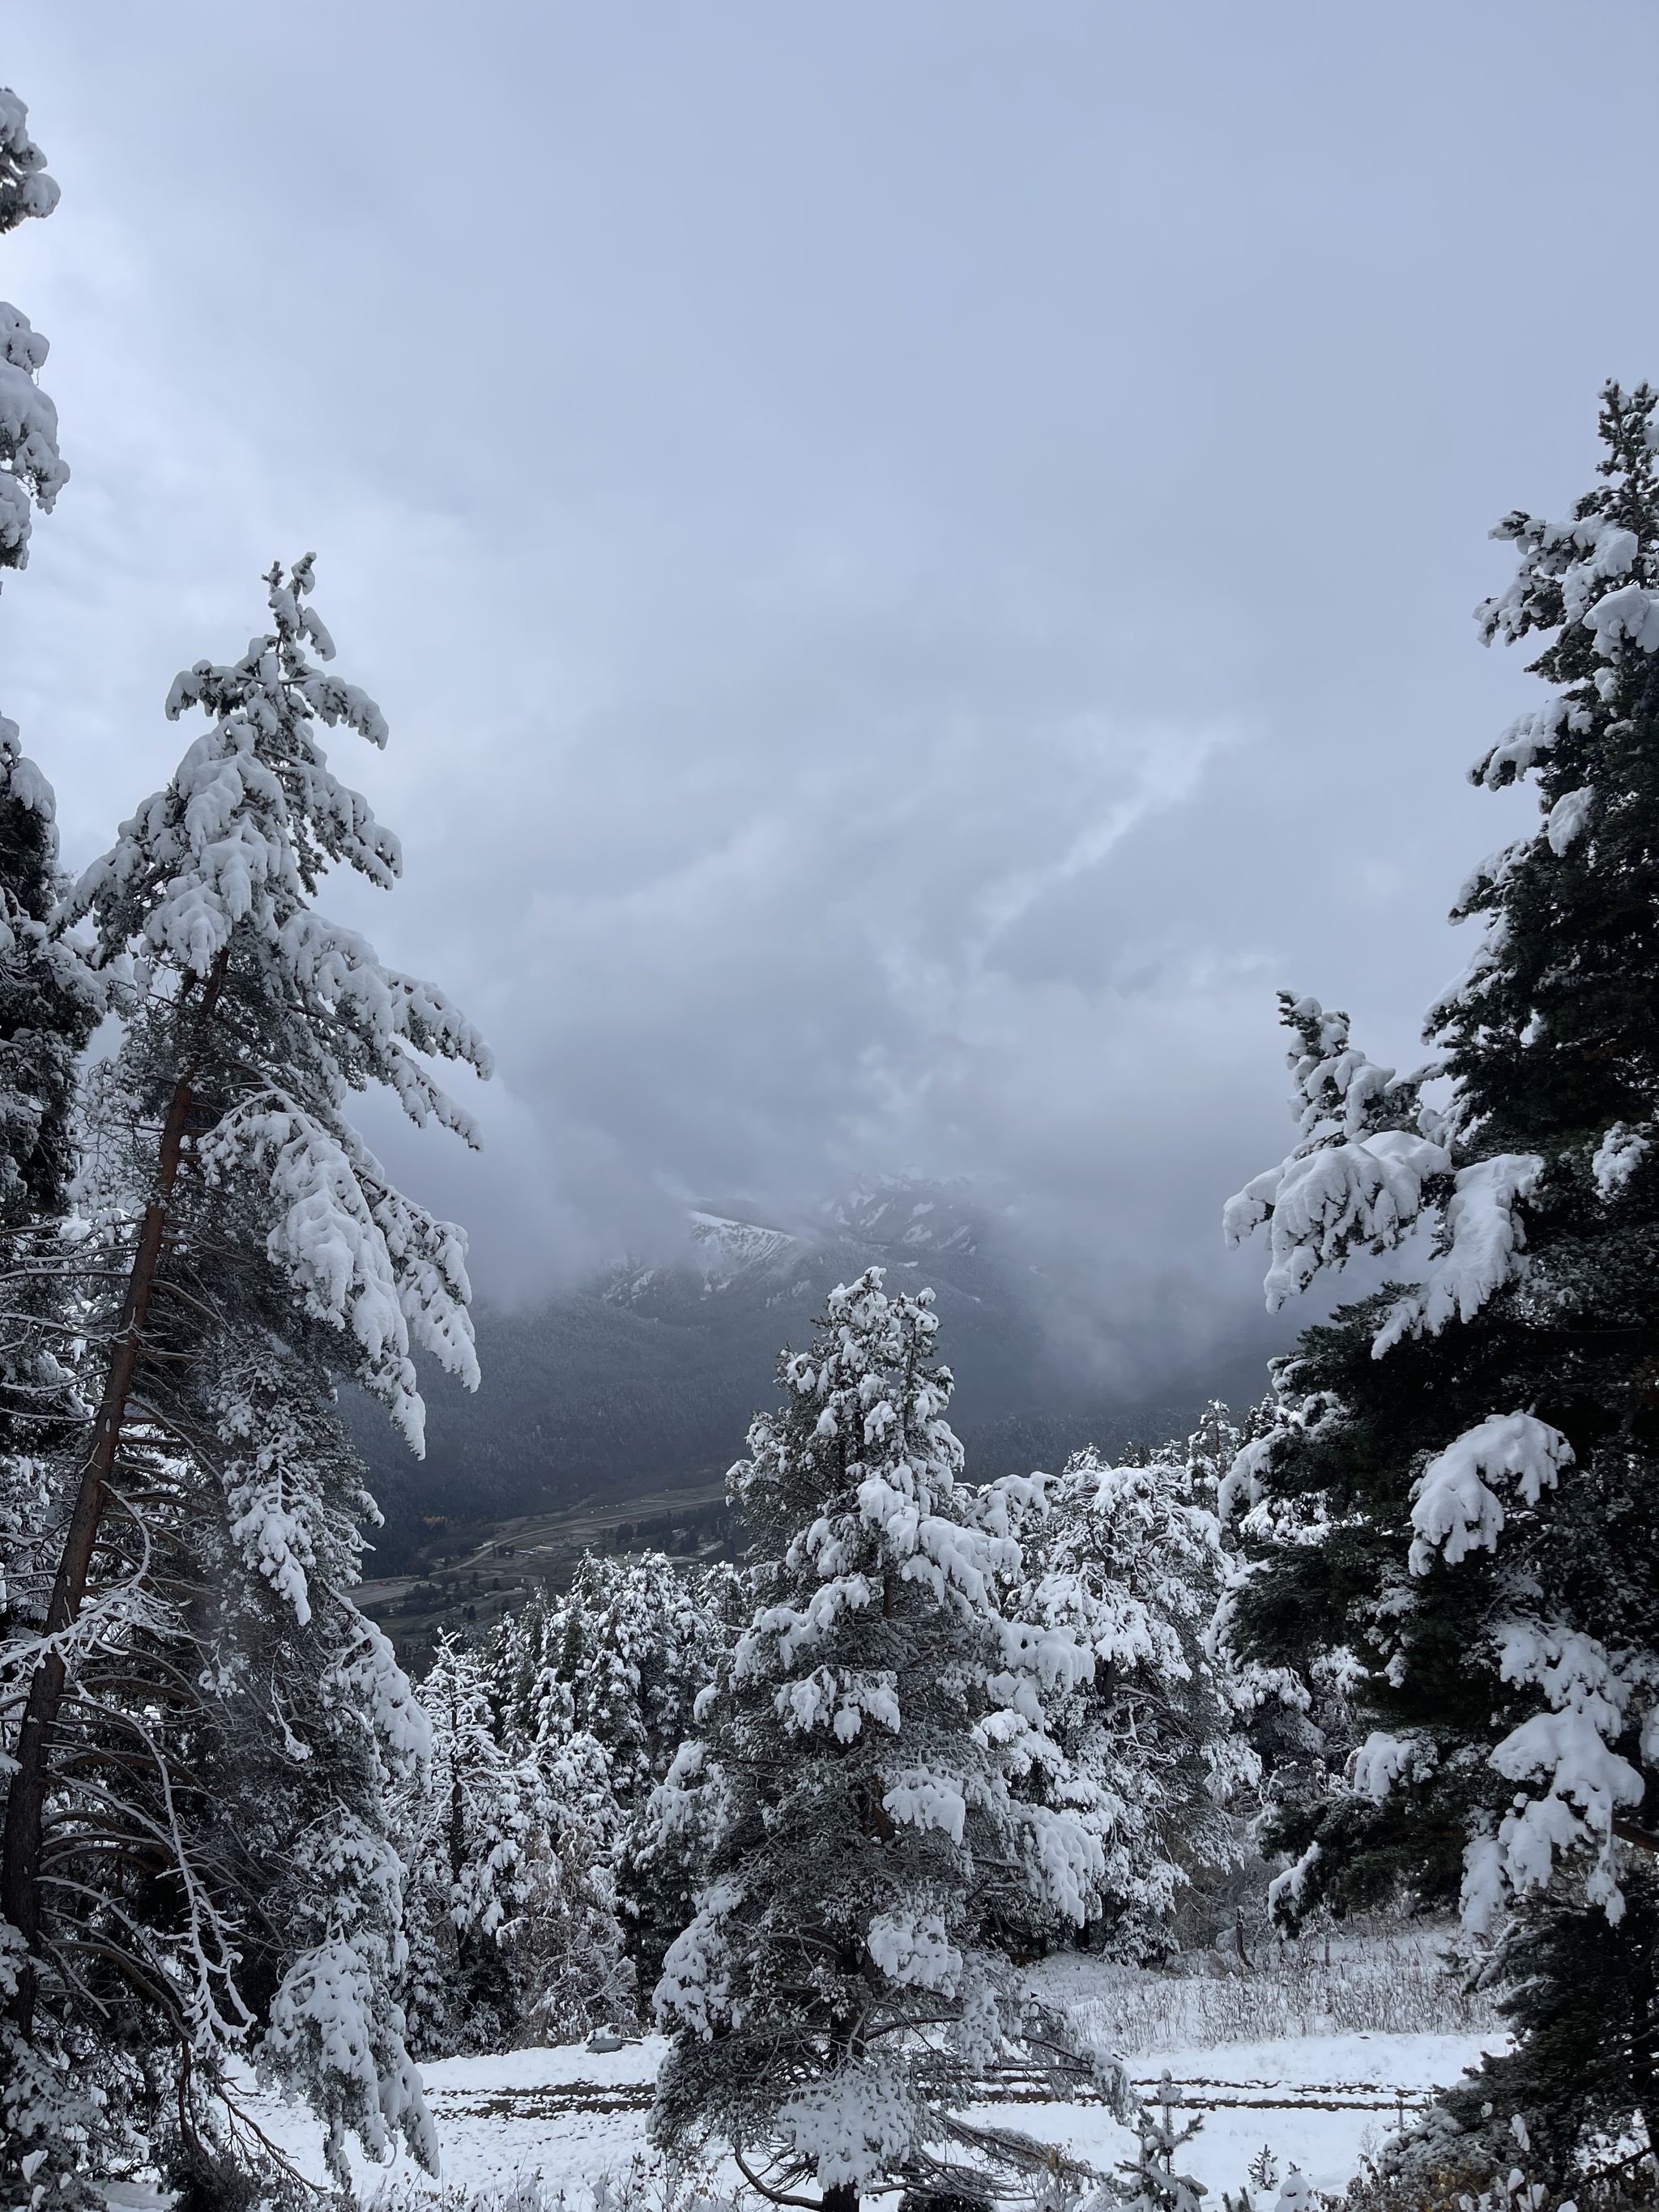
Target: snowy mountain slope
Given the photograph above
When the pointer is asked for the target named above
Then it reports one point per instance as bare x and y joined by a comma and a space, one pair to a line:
648, 1373
726, 1249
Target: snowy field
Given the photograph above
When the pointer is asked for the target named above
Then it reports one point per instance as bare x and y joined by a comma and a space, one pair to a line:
569, 2115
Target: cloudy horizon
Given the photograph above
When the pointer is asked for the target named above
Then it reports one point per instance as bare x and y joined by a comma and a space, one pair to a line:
919, 563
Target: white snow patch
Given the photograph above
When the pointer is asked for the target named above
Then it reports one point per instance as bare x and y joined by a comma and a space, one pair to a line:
1617, 1158
1567, 818
496, 2120
1454, 1507
731, 1245
1483, 1252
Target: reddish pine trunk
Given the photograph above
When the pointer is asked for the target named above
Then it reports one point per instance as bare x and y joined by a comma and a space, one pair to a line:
20, 1848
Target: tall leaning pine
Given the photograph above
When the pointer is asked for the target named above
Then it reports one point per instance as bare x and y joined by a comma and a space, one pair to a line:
1462, 1480
197, 1859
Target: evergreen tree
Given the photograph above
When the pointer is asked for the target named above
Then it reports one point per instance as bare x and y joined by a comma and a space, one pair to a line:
1131, 1561
849, 1805
598, 1687
618, 1658
479, 1822
49, 1001
573, 1947
32, 469
59, 2089
1460, 1486
197, 1854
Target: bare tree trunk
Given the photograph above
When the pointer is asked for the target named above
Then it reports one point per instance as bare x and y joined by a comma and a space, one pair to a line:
842, 2034
20, 1849
1644, 2066
457, 1822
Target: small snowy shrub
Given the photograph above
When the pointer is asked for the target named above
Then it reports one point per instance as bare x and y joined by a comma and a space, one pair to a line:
1495, 2165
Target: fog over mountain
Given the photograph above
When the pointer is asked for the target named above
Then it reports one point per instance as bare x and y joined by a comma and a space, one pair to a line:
646, 1374
918, 562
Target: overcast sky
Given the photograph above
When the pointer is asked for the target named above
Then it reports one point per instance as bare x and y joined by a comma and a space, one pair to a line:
918, 553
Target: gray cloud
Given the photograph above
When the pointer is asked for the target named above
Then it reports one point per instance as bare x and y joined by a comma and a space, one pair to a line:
918, 560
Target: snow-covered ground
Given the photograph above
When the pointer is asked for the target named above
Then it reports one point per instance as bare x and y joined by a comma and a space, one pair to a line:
569, 2114
1316, 2102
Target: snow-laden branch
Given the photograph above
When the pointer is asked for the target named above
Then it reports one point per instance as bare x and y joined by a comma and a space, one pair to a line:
1570, 1748
328, 2010
1454, 1510
362, 1257
31, 466
1480, 1241
1364, 1166
1372, 1165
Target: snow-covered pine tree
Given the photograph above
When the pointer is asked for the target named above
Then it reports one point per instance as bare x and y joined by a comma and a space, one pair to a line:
1210, 1451
32, 469
49, 999
203, 1727
572, 1949
849, 1803
49, 1005
618, 1658
1462, 1481
478, 1824
1130, 1559
597, 1685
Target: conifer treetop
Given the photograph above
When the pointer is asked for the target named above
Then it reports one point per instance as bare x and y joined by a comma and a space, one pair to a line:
206, 898
240, 838
1544, 1036
31, 466
1362, 1175
26, 190
858, 1476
